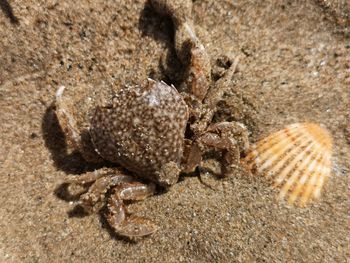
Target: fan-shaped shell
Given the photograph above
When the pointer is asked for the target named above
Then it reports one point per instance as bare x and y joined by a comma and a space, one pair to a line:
296, 158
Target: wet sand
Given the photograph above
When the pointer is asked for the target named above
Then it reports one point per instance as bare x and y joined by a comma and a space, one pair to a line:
295, 66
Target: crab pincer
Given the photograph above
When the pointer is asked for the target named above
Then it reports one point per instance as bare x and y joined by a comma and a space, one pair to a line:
130, 226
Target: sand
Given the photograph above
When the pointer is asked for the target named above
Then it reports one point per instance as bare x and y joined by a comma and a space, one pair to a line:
295, 67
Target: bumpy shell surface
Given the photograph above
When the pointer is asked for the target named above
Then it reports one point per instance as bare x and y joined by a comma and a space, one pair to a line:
296, 158
143, 128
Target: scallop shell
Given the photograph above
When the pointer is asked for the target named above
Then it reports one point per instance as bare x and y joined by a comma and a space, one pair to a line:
296, 158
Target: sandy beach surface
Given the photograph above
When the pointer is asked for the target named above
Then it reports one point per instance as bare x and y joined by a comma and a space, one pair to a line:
294, 66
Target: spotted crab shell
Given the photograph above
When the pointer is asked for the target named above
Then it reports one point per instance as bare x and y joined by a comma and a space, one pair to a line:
296, 158
143, 130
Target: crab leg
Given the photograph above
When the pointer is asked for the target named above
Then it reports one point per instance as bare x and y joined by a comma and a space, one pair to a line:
232, 130
92, 200
213, 96
115, 174
103, 180
222, 136
200, 68
192, 157
216, 93
86, 178
66, 120
129, 226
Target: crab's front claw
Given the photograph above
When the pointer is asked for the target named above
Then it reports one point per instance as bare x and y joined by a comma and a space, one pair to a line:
72, 107
124, 225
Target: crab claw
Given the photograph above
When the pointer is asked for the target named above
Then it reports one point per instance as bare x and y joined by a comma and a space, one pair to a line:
72, 107
124, 225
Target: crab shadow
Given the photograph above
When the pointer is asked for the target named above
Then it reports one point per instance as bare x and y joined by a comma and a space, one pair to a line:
72, 163
55, 141
8, 11
161, 29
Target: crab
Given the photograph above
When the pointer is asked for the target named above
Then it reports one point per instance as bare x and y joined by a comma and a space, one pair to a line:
151, 130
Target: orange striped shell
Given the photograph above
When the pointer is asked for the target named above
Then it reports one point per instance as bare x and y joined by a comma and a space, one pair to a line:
296, 158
